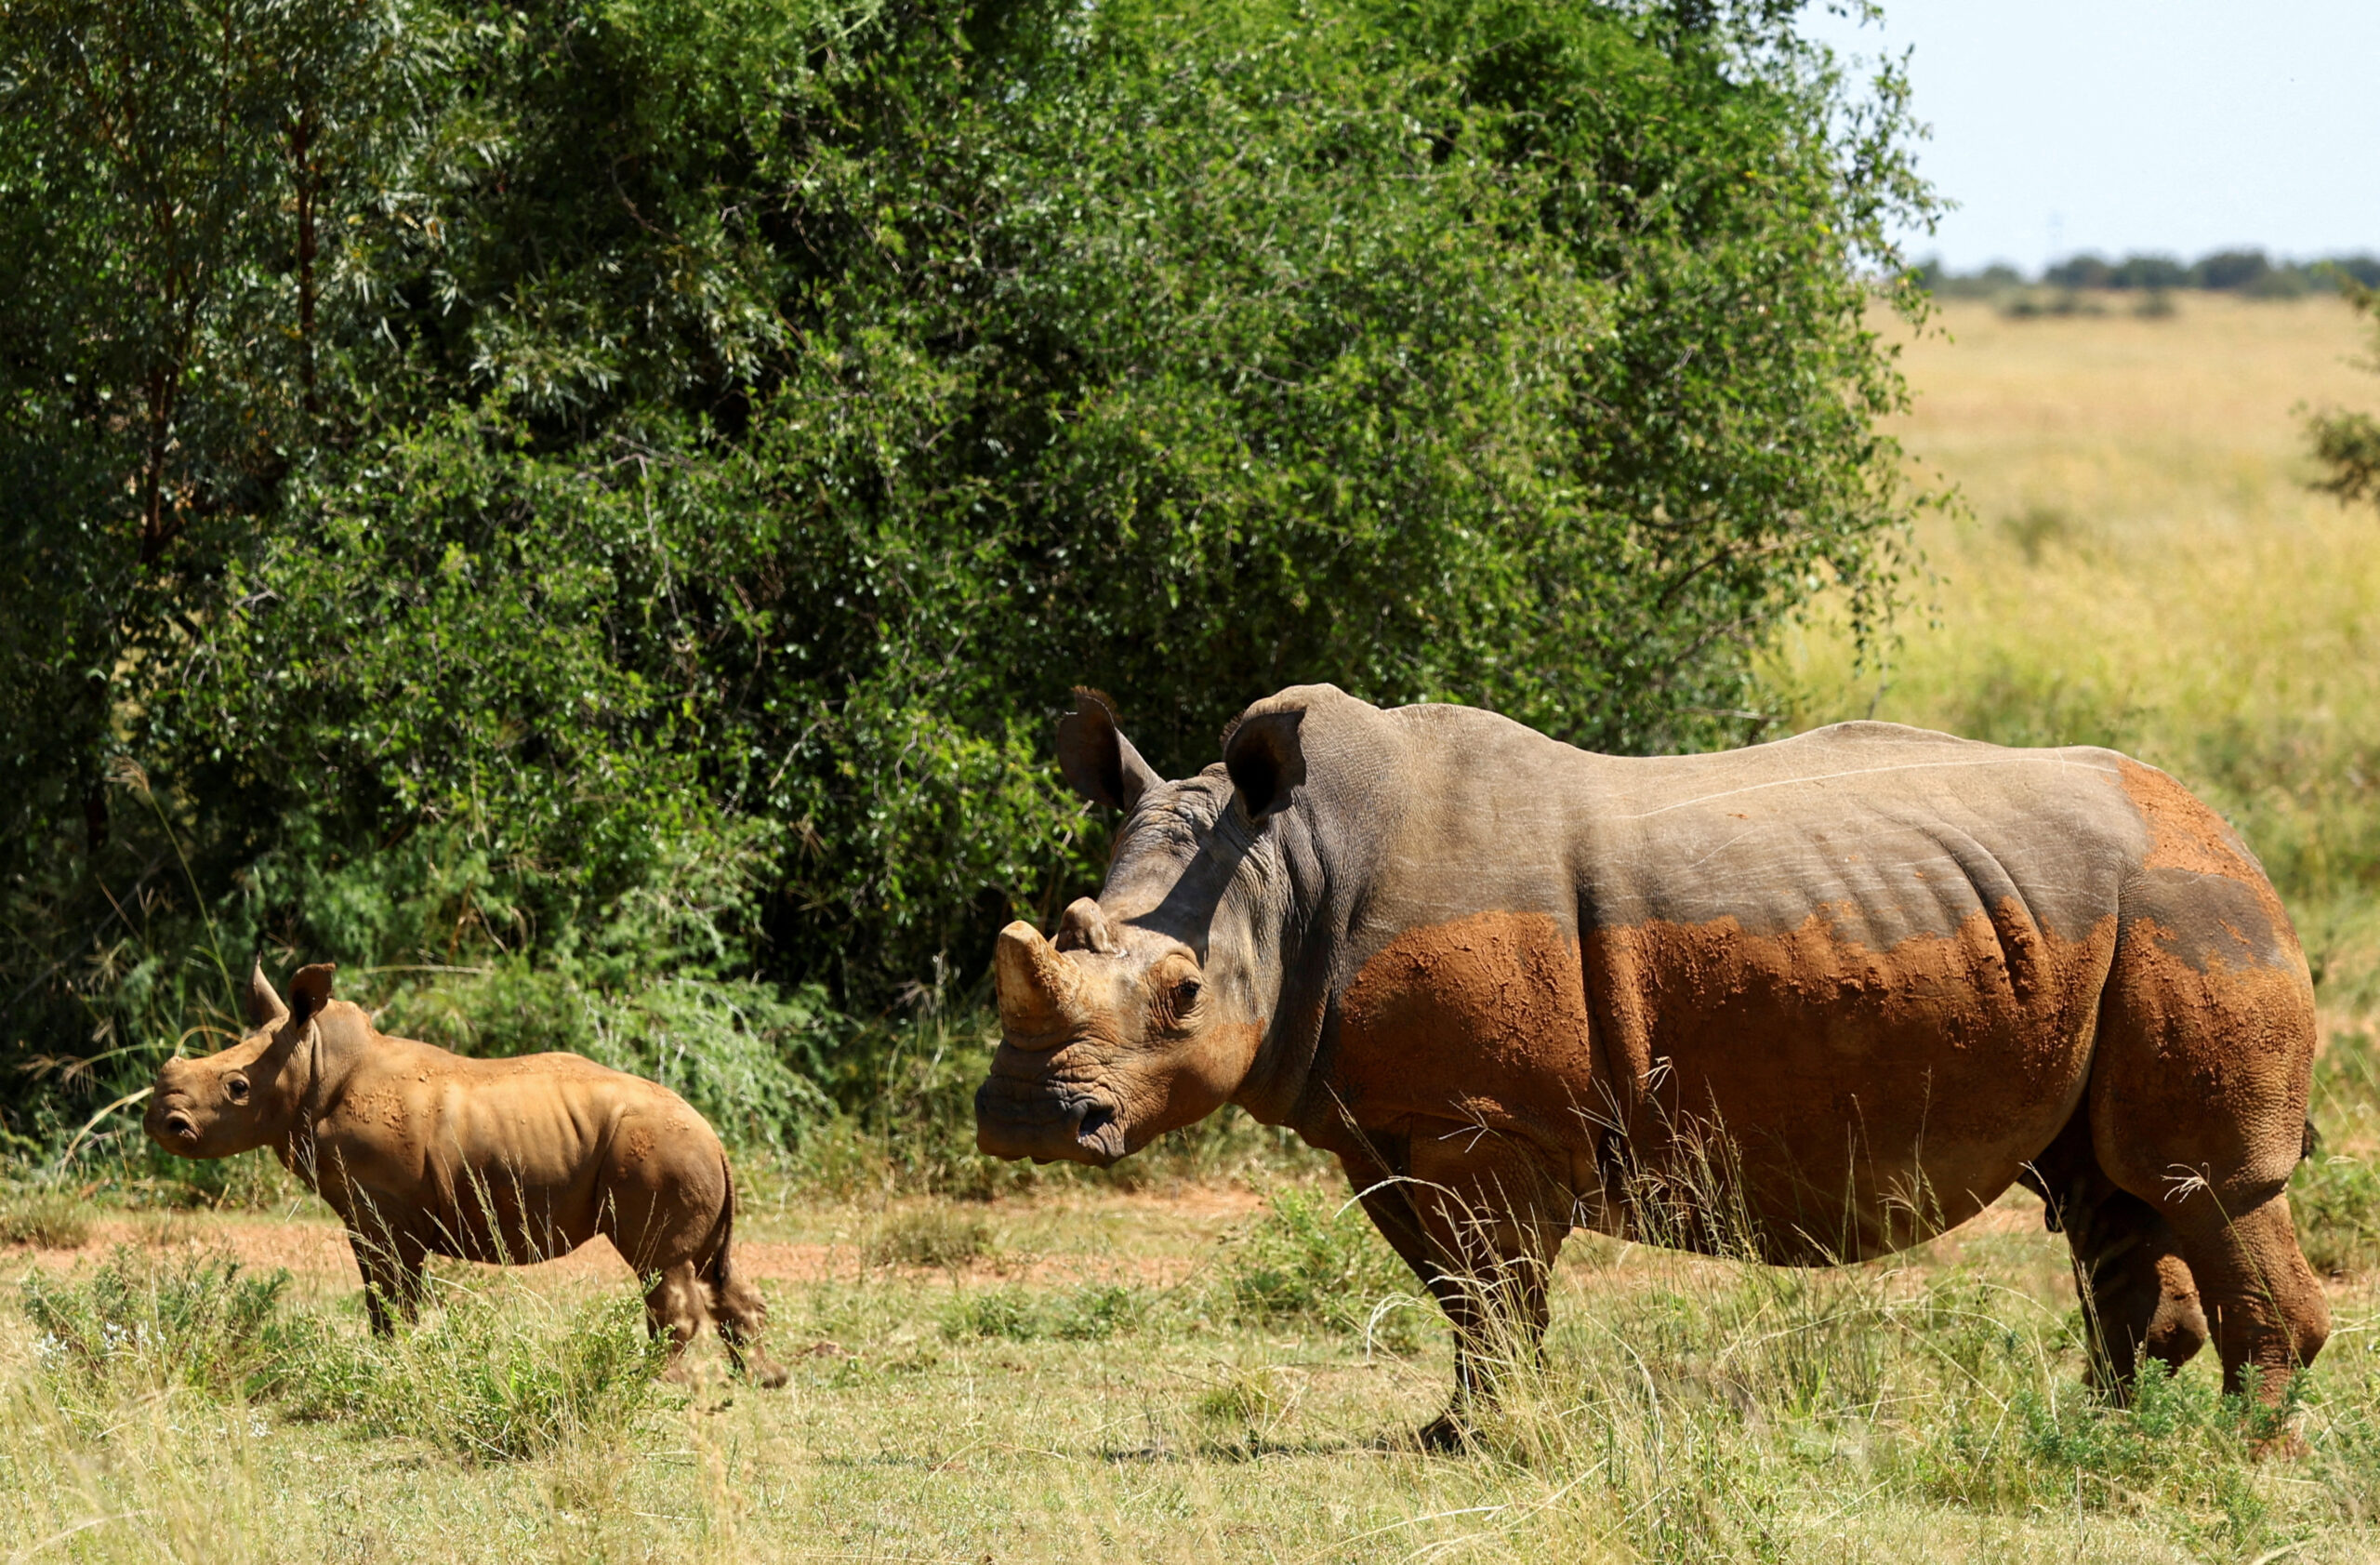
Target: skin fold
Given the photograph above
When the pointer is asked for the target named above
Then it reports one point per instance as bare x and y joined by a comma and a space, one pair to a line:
1806, 1002
422, 1153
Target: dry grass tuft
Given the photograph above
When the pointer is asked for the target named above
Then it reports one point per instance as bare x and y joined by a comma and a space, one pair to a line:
46, 1217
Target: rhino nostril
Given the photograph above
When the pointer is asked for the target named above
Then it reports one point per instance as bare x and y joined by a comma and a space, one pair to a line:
180, 1124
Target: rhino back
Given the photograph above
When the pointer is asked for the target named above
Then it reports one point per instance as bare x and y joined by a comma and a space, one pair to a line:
1861, 938
540, 1121
1883, 832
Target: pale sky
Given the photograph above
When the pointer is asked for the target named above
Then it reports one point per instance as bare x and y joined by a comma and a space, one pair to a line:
2120, 125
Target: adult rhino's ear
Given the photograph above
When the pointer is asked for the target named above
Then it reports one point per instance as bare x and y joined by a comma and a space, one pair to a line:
262, 1004
1100, 763
311, 990
1265, 758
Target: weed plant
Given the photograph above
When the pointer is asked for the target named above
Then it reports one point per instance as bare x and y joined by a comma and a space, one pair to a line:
494, 1373
1094, 1312
932, 1235
1316, 1261
498, 1373
148, 1321
2335, 1195
46, 1216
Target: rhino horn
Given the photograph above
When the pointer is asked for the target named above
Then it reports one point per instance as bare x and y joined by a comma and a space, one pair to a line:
263, 1006
1040, 991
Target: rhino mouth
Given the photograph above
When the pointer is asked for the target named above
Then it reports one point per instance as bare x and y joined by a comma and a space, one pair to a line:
1047, 1123
172, 1129
1098, 1131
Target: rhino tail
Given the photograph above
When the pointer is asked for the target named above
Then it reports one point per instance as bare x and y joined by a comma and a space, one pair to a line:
2312, 1141
716, 1274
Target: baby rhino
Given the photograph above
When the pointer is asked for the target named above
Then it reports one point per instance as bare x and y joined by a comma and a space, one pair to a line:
424, 1153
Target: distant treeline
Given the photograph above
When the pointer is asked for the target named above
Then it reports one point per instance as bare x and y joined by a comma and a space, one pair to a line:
2249, 273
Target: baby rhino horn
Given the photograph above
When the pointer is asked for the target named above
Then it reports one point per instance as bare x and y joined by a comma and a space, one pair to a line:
1040, 992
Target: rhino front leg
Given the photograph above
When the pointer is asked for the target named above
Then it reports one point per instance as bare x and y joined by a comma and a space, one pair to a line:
392, 1262
1388, 1201
1479, 1222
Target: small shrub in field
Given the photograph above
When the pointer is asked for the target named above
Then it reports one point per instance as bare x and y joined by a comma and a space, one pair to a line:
2336, 1201
152, 1321
2037, 527
1315, 1261
2335, 1196
49, 1219
1092, 1313
928, 1236
497, 1383
2063, 1444
1099, 1311
1250, 1402
1011, 1313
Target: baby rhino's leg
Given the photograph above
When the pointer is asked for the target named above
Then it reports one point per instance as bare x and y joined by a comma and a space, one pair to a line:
662, 1200
674, 1305
741, 1316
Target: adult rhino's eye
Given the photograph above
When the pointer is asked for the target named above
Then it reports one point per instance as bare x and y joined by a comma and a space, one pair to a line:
237, 1089
1185, 995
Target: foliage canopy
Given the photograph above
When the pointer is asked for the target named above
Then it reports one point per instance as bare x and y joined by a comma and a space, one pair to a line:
543, 503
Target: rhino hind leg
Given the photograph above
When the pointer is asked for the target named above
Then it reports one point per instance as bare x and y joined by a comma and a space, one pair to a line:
2263, 1305
676, 1306
2197, 1107
2138, 1295
738, 1309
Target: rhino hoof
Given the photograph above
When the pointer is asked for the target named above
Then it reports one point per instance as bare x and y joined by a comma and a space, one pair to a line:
1446, 1435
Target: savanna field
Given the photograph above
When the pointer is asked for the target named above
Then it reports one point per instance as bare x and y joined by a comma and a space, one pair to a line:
1205, 1354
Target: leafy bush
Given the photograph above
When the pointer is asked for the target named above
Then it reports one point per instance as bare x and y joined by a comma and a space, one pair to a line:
2348, 444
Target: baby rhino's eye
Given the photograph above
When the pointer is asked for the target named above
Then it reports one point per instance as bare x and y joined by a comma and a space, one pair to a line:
237, 1089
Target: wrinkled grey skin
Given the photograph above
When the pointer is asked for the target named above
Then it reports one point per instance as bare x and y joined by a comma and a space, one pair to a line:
1517, 988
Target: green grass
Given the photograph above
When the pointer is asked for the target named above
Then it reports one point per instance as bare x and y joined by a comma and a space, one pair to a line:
1931, 1406
932, 1235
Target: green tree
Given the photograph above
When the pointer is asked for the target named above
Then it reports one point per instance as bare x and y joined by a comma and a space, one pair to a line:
609, 496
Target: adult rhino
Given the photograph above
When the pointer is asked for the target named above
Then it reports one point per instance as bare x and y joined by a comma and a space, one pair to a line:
1817, 999
422, 1153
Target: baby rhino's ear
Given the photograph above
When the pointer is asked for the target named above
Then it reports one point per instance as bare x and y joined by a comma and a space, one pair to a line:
310, 990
